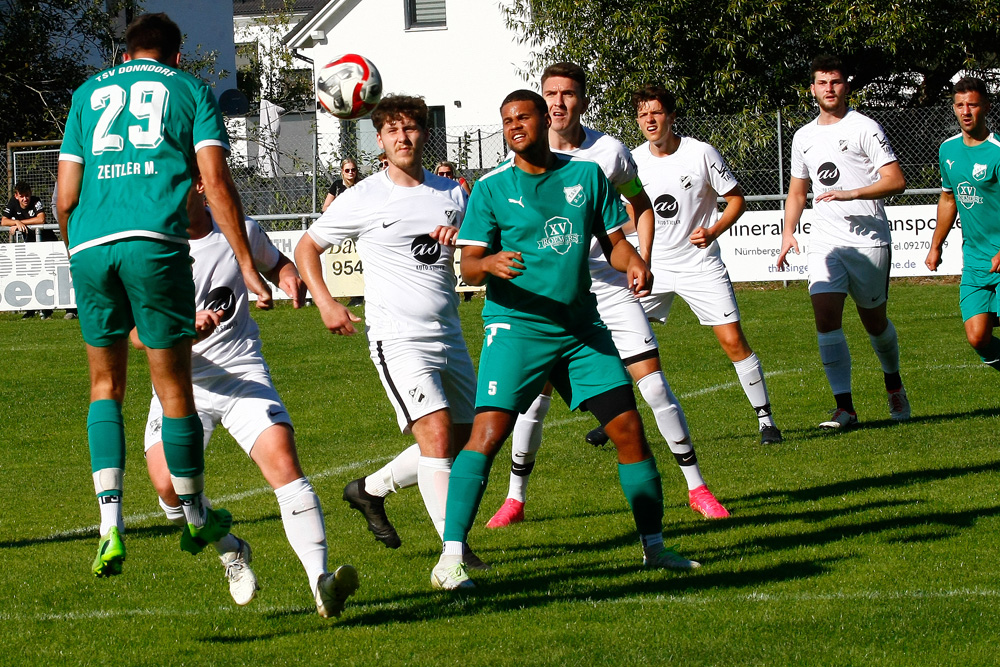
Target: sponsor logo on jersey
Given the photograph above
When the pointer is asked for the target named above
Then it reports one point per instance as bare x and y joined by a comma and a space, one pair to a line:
559, 235
425, 249
966, 195
883, 141
666, 206
574, 195
221, 298
722, 170
828, 174
979, 171
686, 182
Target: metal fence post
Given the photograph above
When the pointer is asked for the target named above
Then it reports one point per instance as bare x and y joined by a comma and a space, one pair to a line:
781, 174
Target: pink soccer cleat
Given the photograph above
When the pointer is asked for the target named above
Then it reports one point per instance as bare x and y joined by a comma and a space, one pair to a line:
703, 502
512, 511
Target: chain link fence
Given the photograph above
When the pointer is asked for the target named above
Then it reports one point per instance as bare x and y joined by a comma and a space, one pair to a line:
283, 169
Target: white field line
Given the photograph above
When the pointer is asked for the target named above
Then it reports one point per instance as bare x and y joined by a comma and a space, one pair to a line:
242, 495
699, 600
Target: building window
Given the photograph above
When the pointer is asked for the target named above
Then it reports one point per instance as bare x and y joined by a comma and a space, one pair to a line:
425, 14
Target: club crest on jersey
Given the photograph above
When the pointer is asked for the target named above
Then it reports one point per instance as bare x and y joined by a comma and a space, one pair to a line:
417, 394
966, 195
686, 182
451, 215
574, 195
979, 171
843, 145
559, 235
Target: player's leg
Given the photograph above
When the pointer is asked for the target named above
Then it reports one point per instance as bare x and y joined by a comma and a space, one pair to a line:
869, 287
524, 444
979, 333
751, 375
828, 286
979, 304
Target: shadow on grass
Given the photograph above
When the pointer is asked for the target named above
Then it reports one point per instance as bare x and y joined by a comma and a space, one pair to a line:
540, 589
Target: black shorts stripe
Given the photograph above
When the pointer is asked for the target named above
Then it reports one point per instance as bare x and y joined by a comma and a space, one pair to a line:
392, 385
887, 273
642, 356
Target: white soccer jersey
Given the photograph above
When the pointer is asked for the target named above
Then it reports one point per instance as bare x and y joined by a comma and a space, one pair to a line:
219, 285
616, 162
844, 156
684, 188
409, 277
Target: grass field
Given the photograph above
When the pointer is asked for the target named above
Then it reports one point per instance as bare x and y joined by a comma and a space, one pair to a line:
872, 547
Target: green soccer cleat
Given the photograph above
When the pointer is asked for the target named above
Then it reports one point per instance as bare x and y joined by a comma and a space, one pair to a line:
668, 559
217, 525
110, 555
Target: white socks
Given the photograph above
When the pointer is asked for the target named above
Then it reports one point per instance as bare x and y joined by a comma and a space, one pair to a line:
302, 518
836, 359
673, 427
886, 346
399, 473
111, 513
525, 441
432, 479
751, 376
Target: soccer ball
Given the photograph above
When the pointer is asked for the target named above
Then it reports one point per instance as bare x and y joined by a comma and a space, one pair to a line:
349, 86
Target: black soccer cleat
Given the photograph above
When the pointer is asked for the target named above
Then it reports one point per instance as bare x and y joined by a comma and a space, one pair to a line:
770, 435
597, 437
373, 509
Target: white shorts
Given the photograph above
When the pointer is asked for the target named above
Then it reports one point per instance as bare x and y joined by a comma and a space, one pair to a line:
245, 403
626, 320
709, 293
861, 272
424, 375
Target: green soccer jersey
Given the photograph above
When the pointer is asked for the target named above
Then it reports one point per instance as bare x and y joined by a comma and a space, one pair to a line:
135, 128
972, 174
549, 218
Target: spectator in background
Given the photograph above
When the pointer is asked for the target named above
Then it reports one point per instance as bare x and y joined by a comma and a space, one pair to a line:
448, 170
348, 177
22, 210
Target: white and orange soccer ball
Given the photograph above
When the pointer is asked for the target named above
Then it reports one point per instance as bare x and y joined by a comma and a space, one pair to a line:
349, 86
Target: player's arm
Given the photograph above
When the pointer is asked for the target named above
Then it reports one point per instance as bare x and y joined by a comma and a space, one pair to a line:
891, 182
736, 204
795, 203
18, 225
286, 276
70, 176
326, 202
227, 210
336, 317
947, 212
478, 264
623, 257
640, 211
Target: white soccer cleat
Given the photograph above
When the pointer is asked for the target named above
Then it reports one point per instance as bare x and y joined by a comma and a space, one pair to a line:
899, 405
450, 575
334, 588
668, 559
840, 420
242, 581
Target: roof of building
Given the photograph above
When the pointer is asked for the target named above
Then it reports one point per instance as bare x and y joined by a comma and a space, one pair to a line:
266, 7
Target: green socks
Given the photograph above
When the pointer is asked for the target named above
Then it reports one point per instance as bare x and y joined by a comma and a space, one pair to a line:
469, 474
106, 437
641, 484
184, 450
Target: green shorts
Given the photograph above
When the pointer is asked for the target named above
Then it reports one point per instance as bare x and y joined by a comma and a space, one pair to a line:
517, 361
137, 282
978, 293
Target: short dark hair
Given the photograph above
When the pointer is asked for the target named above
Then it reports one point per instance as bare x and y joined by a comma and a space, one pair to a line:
155, 33
22, 188
395, 107
654, 92
826, 63
569, 71
524, 95
972, 84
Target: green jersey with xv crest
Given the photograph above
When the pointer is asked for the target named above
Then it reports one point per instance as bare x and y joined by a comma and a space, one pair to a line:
972, 174
135, 128
550, 219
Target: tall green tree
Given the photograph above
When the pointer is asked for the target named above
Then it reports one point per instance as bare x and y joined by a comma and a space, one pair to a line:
731, 56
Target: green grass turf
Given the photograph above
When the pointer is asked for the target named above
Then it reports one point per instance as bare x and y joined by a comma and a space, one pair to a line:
877, 546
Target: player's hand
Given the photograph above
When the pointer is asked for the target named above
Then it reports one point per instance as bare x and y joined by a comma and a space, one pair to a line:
837, 195
933, 260
504, 264
787, 243
21, 227
640, 278
337, 318
258, 286
293, 286
207, 321
702, 237
995, 264
445, 234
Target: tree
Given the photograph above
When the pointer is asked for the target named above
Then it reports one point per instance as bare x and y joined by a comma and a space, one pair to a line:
752, 56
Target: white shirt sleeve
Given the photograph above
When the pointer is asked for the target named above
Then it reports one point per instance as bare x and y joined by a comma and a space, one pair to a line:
265, 255
876, 146
719, 173
343, 219
798, 168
